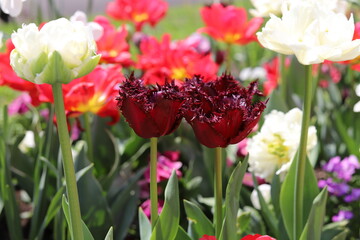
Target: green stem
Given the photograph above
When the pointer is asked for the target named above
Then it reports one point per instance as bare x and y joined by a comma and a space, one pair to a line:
90, 151
153, 181
301, 163
218, 191
228, 59
282, 79
7, 193
69, 171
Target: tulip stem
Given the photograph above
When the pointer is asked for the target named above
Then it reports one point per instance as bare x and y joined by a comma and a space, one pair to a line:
69, 171
301, 163
90, 150
228, 59
153, 181
282, 80
218, 191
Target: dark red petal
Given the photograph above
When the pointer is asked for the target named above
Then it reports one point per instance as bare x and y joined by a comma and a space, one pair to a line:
207, 135
143, 125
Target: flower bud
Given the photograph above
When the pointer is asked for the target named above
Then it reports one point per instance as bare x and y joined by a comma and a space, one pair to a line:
60, 52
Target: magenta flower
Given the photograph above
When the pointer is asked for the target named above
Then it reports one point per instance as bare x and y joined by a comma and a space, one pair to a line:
342, 215
221, 112
166, 163
146, 207
343, 169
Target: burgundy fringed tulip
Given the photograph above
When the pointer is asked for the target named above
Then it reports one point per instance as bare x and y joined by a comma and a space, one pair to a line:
221, 112
150, 111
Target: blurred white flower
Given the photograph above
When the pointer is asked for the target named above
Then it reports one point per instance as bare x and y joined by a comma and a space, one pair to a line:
60, 52
274, 147
27, 142
264, 8
265, 190
357, 105
1, 37
252, 73
96, 29
312, 32
11, 7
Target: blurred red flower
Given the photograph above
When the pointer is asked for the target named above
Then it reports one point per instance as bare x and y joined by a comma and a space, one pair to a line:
150, 111
10, 79
229, 24
273, 74
221, 112
207, 237
95, 93
112, 45
166, 61
138, 11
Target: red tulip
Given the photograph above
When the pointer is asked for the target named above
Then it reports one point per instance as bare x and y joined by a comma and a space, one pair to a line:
150, 111
229, 24
248, 237
112, 45
221, 112
138, 11
177, 61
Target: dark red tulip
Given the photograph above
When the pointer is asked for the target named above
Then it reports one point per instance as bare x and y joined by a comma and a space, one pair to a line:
150, 111
221, 112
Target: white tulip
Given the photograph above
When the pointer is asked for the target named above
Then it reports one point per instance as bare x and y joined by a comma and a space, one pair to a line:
274, 147
265, 190
11, 7
28, 142
96, 29
312, 32
263, 8
60, 52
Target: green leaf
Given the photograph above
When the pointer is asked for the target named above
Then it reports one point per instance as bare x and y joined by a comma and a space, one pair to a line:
229, 229
335, 230
110, 234
201, 224
276, 102
66, 210
167, 224
145, 226
182, 235
269, 216
52, 210
287, 201
94, 207
315, 222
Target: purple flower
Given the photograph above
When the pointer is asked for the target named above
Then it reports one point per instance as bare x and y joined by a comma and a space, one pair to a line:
342, 169
353, 196
342, 215
337, 189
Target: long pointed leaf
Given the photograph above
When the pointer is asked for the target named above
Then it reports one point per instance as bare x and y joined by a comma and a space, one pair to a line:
201, 224
229, 229
167, 225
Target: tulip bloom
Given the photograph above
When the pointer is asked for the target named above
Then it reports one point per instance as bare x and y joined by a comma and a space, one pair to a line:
177, 61
138, 11
311, 32
229, 24
151, 112
60, 52
221, 112
112, 45
11, 7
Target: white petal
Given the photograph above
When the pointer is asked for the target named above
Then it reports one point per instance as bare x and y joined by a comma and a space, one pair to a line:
11, 7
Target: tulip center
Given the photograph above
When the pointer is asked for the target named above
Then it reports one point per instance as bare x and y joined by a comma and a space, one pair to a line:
113, 53
93, 105
277, 148
232, 37
140, 17
179, 73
